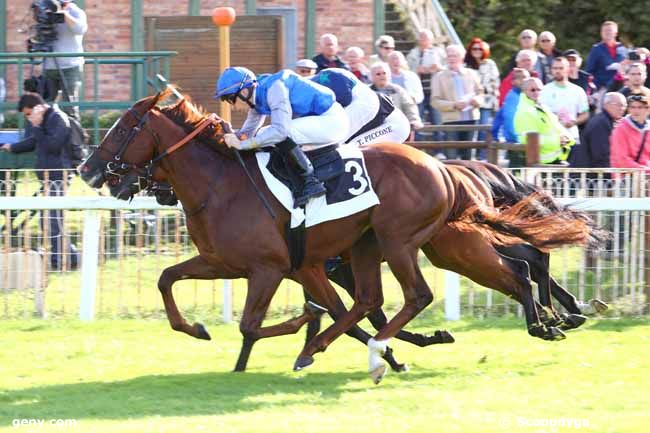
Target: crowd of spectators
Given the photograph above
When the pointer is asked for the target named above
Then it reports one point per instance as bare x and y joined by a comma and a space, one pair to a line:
591, 117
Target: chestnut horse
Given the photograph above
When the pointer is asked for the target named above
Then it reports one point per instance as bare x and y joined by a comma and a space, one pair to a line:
237, 238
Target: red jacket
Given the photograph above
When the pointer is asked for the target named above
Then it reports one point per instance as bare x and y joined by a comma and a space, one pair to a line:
625, 143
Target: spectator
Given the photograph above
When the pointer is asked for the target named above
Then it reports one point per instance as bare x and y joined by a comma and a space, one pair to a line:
565, 99
527, 41
328, 58
458, 94
532, 116
401, 75
593, 150
354, 57
427, 60
629, 141
547, 52
385, 45
505, 118
526, 59
580, 78
64, 74
47, 132
605, 57
306, 68
478, 58
380, 73
636, 76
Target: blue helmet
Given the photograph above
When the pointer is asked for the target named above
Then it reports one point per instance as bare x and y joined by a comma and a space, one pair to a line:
233, 80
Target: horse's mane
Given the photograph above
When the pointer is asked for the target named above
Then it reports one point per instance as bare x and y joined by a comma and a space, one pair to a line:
189, 115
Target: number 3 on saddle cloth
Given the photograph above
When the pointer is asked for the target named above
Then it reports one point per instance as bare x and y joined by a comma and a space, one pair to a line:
349, 190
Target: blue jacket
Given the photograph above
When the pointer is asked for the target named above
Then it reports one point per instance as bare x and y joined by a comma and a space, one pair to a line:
339, 81
598, 61
50, 141
306, 97
505, 117
593, 150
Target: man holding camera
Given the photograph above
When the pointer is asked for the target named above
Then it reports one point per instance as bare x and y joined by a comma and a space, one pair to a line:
64, 73
48, 133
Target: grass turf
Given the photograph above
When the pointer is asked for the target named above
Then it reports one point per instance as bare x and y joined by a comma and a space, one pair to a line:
139, 376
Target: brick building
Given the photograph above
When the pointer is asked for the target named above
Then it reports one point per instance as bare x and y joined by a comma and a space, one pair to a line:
111, 26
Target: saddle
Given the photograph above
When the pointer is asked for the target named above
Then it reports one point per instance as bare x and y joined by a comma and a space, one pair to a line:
327, 162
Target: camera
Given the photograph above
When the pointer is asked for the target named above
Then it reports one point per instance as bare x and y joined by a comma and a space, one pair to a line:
633, 55
46, 18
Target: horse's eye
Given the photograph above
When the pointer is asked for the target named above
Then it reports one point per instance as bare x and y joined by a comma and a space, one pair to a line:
120, 132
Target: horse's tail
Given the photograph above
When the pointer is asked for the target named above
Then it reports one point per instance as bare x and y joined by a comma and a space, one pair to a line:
535, 218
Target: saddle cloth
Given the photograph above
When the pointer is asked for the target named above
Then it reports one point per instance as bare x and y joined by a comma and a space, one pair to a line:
347, 194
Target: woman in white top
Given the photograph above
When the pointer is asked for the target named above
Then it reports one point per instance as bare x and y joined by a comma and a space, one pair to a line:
403, 76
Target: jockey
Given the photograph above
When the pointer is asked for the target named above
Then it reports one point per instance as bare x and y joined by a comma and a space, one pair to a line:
373, 117
303, 114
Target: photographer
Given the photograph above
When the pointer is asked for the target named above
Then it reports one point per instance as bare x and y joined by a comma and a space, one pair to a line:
64, 73
48, 132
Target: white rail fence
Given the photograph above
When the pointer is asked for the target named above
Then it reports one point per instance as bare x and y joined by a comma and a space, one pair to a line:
124, 247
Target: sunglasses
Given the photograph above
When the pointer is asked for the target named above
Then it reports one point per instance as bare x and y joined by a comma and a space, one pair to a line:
534, 90
526, 37
637, 98
230, 99
477, 49
379, 73
384, 47
545, 40
304, 70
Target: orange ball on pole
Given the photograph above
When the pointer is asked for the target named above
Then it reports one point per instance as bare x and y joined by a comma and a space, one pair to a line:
223, 16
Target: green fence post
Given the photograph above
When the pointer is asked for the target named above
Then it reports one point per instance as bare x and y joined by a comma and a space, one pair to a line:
380, 18
96, 96
194, 8
310, 28
251, 7
137, 43
3, 33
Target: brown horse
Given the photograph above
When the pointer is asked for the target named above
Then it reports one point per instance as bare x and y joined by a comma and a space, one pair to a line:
237, 238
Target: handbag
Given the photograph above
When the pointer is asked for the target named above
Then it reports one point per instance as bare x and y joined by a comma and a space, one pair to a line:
638, 155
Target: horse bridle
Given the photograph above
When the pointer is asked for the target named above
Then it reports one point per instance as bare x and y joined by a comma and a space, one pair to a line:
118, 169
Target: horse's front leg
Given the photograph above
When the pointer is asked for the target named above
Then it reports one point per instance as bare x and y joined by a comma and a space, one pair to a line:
195, 268
262, 285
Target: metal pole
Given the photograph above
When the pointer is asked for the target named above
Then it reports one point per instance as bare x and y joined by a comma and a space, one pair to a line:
224, 62
310, 28
380, 18
194, 8
227, 301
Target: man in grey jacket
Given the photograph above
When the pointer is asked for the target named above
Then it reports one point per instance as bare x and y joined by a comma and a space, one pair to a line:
64, 73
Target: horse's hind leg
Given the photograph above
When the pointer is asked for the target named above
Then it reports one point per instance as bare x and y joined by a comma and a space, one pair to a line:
195, 268
344, 277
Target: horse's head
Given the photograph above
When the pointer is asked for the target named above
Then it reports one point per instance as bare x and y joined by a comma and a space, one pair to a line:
129, 153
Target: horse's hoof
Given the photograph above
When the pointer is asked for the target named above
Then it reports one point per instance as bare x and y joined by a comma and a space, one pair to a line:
445, 337
202, 333
315, 309
378, 373
599, 306
572, 321
303, 362
554, 334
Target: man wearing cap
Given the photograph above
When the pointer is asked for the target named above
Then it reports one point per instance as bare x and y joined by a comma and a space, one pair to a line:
306, 68
578, 76
64, 73
328, 58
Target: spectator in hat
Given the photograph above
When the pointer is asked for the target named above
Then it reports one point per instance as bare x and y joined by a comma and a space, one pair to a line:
578, 76
306, 68
328, 58
385, 45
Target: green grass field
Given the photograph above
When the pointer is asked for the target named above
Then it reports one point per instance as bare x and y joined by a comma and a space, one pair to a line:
139, 376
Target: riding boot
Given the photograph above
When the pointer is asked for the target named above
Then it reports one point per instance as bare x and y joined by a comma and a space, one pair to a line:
311, 186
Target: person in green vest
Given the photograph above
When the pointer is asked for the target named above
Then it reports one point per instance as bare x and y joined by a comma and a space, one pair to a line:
532, 116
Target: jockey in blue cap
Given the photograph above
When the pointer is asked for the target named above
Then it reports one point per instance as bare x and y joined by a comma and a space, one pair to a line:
302, 112
373, 117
